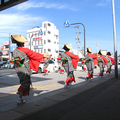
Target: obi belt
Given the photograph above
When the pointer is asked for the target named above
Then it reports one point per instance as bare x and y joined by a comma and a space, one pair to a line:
18, 62
64, 60
88, 60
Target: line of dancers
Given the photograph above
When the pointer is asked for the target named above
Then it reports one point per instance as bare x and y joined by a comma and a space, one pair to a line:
102, 60
26, 59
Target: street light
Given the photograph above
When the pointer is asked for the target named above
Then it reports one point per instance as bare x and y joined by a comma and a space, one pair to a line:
97, 47
67, 24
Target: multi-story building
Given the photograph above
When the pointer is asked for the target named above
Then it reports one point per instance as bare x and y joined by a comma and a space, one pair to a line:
44, 39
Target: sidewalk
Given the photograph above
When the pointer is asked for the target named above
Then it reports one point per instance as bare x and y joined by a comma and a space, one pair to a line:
97, 100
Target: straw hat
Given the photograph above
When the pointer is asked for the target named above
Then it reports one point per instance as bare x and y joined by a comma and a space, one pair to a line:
67, 46
100, 52
89, 49
18, 38
104, 52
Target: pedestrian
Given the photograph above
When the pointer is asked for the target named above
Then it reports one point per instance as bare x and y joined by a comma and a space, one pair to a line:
110, 62
69, 62
90, 61
46, 64
102, 62
25, 60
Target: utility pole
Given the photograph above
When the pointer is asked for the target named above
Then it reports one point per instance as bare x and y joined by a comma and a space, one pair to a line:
9, 47
115, 43
78, 37
97, 47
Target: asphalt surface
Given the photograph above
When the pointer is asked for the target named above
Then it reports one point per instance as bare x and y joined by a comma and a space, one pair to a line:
101, 102
84, 100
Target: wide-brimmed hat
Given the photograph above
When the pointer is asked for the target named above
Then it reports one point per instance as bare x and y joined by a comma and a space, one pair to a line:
18, 38
100, 52
89, 49
104, 52
67, 46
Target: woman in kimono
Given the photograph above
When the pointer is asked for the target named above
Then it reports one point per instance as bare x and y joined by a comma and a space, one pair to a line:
46, 64
102, 62
25, 60
69, 62
90, 61
110, 62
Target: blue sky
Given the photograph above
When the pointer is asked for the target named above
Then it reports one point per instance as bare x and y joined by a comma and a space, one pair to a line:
96, 15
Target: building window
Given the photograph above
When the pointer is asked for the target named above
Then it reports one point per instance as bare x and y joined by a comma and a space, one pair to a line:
44, 50
54, 42
56, 51
38, 50
44, 41
36, 34
49, 32
49, 50
35, 42
49, 41
7, 46
44, 32
41, 42
49, 24
44, 25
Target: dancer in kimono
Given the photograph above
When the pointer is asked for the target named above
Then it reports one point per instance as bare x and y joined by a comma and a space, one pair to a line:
90, 61
61, 68
25, 60
83, 65
69, 62
46, 64
102, 62
110, 62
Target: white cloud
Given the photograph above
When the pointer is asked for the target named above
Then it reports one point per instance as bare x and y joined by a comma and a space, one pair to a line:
27, 5
104, 3
101, 4
16, 23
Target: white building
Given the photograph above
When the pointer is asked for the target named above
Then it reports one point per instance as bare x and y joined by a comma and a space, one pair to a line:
46, 42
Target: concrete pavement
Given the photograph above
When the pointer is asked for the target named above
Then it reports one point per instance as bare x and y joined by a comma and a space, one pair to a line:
83, 100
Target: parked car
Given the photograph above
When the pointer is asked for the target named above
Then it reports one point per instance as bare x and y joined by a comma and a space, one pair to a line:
52, 67
2, 63
8, 65
118, 62
80, 62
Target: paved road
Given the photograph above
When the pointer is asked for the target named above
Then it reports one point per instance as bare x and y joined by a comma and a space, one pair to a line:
100, 102
6, 71
48, 90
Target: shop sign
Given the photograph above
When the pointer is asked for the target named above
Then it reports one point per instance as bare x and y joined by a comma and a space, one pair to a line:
38, 47
37, 38
6, 43
35, 47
